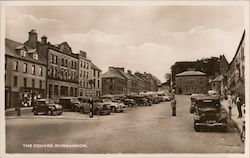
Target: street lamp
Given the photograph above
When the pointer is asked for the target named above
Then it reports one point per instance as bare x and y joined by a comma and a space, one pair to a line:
91, 82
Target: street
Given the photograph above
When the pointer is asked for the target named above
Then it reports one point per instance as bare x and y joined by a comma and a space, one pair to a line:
136, 130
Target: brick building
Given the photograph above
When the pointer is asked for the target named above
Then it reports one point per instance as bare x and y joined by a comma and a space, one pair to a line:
190, 82
25, 73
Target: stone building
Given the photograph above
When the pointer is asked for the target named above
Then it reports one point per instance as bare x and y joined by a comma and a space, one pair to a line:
146, 86
189, 82
25, 74
236, 71
84, 74
62, 66
113, 82
96, 76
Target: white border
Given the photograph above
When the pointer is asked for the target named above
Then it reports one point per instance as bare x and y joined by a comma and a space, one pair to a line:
124, 3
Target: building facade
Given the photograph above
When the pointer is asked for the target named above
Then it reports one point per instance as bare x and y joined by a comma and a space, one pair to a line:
190, 82
113, 82
236, 71
62, 66
25, 74
96, 75
84, 74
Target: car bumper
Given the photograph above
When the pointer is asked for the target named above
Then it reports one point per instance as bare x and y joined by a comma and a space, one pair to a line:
211, 124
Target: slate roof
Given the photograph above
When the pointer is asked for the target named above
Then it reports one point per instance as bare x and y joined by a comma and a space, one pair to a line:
95, 67
111, 74
191, 73
12, 46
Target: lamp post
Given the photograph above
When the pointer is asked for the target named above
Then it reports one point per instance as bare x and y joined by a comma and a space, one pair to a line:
91, 82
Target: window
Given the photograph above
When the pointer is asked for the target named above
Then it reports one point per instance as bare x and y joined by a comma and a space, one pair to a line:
40, 71
94, 83
94, 71
72, 64
56, 89
83, 84
15, 81
55, 59
98, 83
75, 64
81, 63
83, 74
25, 68
84, 66
23, 53
33, 70
15, 66
87, 75
33, 83
98, 74
51, 58
5, 63
87, 65
62, 62
35, 56
24, 82
40, 84
66, 62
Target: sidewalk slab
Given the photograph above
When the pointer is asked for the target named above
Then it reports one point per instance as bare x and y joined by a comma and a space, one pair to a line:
234, 117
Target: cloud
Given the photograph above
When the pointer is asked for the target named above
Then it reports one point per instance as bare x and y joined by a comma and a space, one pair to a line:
113, 50
27, 22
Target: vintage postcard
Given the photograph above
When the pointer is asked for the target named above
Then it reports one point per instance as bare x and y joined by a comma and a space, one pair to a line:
125, 79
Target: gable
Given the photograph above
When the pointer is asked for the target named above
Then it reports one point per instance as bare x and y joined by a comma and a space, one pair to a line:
65, 48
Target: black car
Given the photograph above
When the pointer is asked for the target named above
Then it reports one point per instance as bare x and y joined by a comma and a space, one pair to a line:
129, 102
70, 103
47, 106
193, 99
208, 112
139, 100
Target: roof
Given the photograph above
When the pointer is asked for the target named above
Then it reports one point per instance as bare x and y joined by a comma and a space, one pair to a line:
111, 74
95, 67
190, 73
218, 78
12, 46
126, 75
208, 97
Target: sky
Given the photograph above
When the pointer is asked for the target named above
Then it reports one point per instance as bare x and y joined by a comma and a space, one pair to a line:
139, 38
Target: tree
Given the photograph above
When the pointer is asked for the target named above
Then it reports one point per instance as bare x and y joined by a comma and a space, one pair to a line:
167, 77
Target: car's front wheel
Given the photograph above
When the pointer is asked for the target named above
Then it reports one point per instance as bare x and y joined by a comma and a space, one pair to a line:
196, 128
35, 112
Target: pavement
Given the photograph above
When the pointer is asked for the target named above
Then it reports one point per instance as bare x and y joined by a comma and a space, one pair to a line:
234, 117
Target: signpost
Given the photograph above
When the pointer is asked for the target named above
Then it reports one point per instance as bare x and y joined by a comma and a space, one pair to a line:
91, 82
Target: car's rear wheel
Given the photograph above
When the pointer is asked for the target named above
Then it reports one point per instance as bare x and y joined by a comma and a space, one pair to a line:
51, 113
76, 109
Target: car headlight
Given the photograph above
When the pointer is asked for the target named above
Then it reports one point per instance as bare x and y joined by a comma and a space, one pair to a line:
203, 114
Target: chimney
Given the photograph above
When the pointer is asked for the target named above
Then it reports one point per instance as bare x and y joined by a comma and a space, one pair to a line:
129, 72
33, 38
121, 69
83, 54
111, 69
44, 40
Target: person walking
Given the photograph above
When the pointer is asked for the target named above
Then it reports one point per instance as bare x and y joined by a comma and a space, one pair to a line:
238, 103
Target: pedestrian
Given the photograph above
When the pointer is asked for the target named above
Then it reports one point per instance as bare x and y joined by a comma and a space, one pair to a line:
238, 103
173, 106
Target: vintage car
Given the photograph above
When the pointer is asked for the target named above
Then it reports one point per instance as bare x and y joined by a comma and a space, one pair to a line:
84, 105
115, 105
129, 102
70, 103
208, 112
47, 106
192, 99
139, 100
100, 108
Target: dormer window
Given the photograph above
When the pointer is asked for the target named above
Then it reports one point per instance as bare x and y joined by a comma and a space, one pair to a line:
35, 56
23, 53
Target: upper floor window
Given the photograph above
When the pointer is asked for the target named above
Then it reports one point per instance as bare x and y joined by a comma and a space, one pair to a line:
84, 65
33, 83
35, 56
94, 71
81, 63
51, 58
87, 65
33, 70
23, 53
98, 74
5, 63
55, 59
15, 81
62, 62
66, 62
25, 66
15, 66
40, 71
72, 64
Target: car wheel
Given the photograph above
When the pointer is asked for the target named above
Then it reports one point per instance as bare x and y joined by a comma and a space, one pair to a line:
76, 109
196, 128
51, 113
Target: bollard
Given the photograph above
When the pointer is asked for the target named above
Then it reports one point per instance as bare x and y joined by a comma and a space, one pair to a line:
230, 112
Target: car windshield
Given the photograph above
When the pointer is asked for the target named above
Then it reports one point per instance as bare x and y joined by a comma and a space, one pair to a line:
207, 103
75, 100
45, 102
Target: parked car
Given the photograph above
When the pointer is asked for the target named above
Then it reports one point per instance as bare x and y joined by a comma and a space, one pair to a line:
101, 108
192, 99
47, 106
129, 102
139, 100
115, 105
84, 105
70, 103
209, 113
